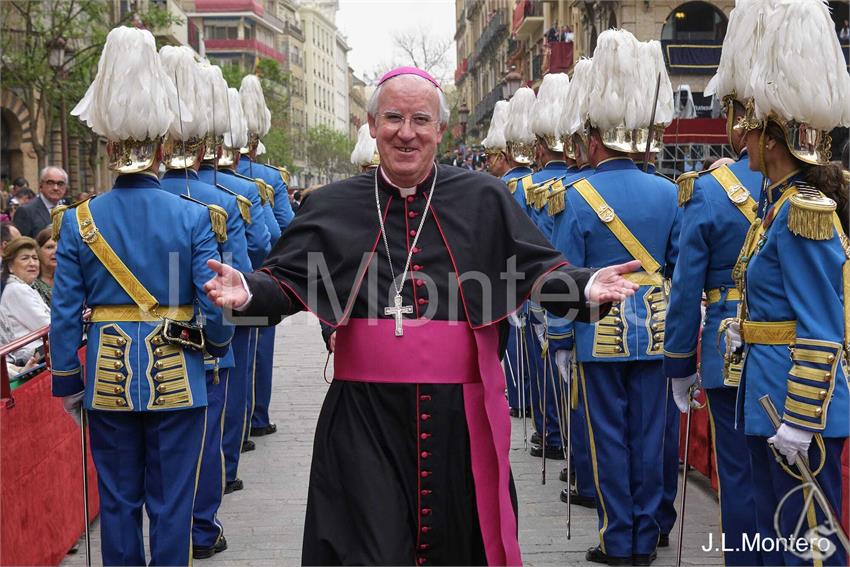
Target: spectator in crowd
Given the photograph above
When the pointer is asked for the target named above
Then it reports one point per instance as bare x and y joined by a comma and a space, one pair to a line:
844, 32
18, 184
52, 186
8, 232
567, 34
22, 310
43, 284
552, 34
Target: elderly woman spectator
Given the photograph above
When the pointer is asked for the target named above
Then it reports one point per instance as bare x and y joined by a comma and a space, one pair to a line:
43, 284
22, 310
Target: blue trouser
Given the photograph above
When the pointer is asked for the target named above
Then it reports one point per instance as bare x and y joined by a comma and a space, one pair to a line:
538, 379
624, 404
667, 510
146, 459
515, 380
734, 478
251, 385
263, 380
772, 484
206, 527
579, 446
236, 399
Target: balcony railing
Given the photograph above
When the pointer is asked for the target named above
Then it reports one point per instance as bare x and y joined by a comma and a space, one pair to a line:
692, 57
294, 31
493, 33
485, 108
219, 45
525, 10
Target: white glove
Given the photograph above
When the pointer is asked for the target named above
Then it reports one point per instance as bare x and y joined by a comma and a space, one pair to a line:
514, 319
791, 442
733, 335
74, 406
562, 360
540, 331
681, 391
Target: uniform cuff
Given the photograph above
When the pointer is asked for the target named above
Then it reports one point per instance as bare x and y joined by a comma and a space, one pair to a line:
67, 382
680, 365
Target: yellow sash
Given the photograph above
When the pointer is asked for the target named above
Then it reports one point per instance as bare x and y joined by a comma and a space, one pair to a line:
736, 192
607, 215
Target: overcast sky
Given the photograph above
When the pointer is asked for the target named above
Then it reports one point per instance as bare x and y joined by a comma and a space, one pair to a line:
369, 26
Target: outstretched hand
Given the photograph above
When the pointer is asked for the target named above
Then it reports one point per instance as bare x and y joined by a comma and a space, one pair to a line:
610, 285
225, 289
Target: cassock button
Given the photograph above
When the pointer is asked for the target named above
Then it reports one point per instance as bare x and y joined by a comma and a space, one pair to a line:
412, 233
425, 416
412, 214
425, 474
426, 511
420, 283
425, 397
421, 301
416, 250
424, 454
423, 546
410, 198
425, 529
416, 267
421, 561
424, 436
424, 492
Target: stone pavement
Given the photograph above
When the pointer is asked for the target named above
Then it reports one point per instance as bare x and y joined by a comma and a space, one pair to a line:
264, 522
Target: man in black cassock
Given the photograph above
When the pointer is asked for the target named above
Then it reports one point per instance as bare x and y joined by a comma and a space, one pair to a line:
410, 461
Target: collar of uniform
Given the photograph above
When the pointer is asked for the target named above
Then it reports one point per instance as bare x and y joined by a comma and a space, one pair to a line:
556, 164
585, 167
649, 169
389, 187
775, 189
573, 169
180, 173
137, 181
518, 171
207, 166
245, 158
615, 163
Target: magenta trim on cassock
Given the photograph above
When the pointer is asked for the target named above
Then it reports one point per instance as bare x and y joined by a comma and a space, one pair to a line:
448, 352
409, 71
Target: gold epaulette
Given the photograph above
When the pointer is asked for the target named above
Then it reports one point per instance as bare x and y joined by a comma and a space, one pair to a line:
244, 204
810, 215
528, 186
284, 174
218, 218
685, 182
261, 189
512, 185
269, 191
541, 192
557, 197
57, 213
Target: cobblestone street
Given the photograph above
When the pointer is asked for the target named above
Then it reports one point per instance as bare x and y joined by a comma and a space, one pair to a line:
264, 522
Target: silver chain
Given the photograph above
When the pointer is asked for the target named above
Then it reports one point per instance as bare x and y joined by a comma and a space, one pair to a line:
398, 289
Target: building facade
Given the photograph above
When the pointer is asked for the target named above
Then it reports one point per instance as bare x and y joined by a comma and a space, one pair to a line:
341, 84
319, 66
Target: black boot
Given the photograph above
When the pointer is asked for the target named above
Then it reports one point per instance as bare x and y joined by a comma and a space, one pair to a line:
199, 552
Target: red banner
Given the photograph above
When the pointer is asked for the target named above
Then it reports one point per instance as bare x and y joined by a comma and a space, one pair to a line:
696, 131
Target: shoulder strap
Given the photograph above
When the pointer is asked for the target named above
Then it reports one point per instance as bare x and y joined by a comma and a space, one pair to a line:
218, 217
737, 193
845, 277
244, 203
607, 215
110, 260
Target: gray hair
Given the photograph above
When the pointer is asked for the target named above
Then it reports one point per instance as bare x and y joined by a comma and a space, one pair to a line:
372, 105
47, 169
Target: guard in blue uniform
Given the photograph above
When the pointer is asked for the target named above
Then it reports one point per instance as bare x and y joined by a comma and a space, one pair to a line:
718, 210
184, 151
251, 209
258, 120
619, 213
795, 270
144, 387
581, 491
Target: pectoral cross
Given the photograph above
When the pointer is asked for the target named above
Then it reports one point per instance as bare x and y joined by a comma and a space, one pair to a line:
397, 312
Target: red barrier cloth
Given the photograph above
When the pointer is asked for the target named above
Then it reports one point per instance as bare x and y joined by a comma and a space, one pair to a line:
41, 487
561, 56
696, 131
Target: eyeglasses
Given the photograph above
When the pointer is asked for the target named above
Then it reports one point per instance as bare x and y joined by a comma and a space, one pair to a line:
418, 122
56, 183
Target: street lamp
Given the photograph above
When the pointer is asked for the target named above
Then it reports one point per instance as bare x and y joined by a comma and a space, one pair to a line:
511, 84
463, 117
56, 60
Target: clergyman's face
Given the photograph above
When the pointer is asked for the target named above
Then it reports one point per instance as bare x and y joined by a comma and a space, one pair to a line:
407, 128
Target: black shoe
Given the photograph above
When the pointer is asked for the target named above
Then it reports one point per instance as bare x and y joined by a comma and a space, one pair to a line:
563, 476
248, 445
664, 540
233, 485
578, 499
555, 453
207, 552
644, 559
535, 438
596, 555
260, 431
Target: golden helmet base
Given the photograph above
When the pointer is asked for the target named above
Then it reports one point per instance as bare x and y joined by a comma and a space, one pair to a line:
253, 142
552, 143
131, 156
521, 152
229, 157
177, 154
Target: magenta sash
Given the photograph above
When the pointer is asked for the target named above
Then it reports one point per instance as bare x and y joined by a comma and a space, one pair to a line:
448, 352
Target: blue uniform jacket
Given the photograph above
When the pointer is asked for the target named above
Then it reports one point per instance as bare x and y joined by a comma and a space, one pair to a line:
561, 332
713, 231
234, 250
256, 232
794, 278
128, 367
648, 206
516, 180
541, 216
282, 207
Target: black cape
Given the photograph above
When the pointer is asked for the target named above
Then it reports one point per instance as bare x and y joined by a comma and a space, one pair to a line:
365, 497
